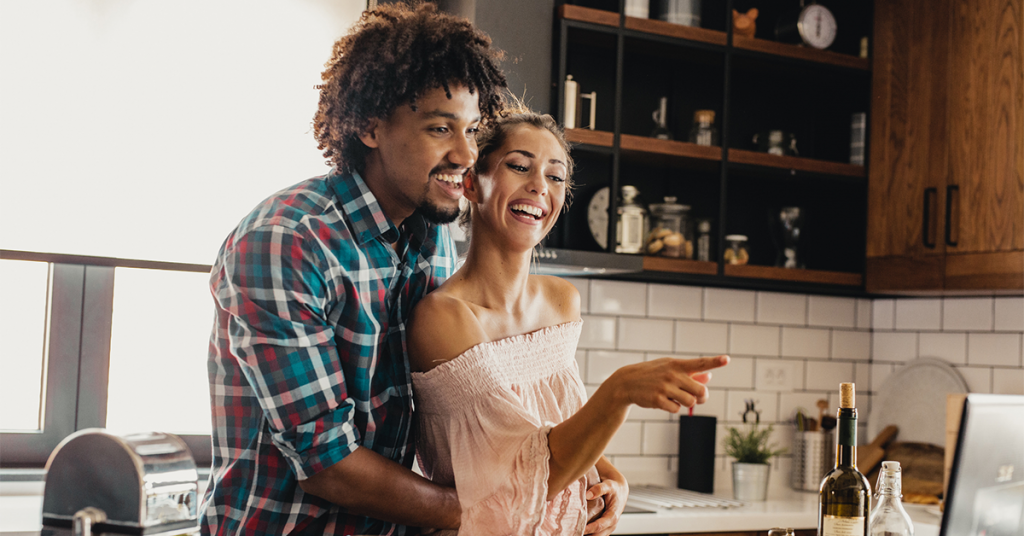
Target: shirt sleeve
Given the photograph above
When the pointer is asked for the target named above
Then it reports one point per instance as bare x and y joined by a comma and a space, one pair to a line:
273, 287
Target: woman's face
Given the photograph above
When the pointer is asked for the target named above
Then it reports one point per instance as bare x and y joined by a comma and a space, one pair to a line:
522, 190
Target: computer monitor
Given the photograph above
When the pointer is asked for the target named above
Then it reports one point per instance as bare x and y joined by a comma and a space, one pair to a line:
986, 482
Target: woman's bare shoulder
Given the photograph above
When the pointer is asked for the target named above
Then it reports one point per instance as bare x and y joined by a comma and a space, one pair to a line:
442, 327
560, 296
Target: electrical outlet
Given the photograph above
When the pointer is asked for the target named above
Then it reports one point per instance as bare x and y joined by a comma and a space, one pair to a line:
775, 376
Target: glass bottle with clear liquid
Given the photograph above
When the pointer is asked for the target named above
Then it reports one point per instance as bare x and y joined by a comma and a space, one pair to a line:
888, 517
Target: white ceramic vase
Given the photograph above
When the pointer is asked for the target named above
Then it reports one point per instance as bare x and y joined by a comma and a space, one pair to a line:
750, 481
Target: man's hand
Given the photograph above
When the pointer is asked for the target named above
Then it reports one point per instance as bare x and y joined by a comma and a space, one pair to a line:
614, 490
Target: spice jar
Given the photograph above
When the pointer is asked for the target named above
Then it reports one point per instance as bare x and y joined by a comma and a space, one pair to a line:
671, 233
703, 240
704, 131
632, 224
736, 253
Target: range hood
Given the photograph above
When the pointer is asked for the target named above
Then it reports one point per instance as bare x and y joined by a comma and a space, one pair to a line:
573, 263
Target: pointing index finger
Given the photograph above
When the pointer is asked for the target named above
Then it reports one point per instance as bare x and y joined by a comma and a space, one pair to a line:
705, 363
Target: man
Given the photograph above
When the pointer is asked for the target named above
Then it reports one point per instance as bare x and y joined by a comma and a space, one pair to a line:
310, 386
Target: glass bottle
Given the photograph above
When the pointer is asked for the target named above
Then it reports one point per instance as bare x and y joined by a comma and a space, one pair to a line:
888, 517
778, 531
671, 234
704, 240
632, 225
704, 131
844, 499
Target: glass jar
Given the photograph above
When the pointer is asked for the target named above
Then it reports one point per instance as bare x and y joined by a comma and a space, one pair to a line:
632, 225
704, 131
736, 252
781, 532
671, 233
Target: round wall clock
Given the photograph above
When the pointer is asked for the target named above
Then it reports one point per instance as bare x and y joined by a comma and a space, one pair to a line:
597, 217
813, 25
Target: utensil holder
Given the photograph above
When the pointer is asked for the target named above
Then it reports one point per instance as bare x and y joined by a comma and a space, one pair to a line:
813, 457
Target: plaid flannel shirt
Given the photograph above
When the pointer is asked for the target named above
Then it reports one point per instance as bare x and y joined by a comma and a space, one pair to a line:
307, 355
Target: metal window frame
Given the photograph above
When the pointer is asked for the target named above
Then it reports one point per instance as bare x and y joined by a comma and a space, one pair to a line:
80, 294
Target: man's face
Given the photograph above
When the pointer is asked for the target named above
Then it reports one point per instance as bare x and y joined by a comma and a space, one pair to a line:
419, 158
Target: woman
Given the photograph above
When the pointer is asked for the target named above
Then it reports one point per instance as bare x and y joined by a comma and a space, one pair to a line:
499, 400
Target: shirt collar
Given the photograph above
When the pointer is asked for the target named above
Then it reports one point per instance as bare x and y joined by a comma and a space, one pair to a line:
363, 212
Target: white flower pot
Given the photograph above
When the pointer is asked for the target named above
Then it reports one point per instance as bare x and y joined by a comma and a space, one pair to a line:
750, 481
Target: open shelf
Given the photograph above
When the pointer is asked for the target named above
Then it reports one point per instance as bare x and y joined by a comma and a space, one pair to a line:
587, 14
788, 274
679, 266
585, 136
754, 158
800, 53
678, 31
643, 144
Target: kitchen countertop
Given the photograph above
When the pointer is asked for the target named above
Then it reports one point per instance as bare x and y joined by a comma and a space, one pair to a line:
795, 509
21, 507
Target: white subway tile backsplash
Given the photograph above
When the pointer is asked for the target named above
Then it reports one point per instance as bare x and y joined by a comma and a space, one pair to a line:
805, 342
715, 405
880, 373
778, 374
862, 376
826, 375
919, 314
829, 311
598, 332
661, 438
674, 301
883, 314
979, 379
1009, 314
645, 334
855, 345
627, 440
766, 403
779, 308
949, 347
893, 346
746, 339
701, 337
789, 403
1008, 381
863, 313
618, 298
1001, 349
967, 314
601, 364
583, 286
739, 373
729, 305
641, 463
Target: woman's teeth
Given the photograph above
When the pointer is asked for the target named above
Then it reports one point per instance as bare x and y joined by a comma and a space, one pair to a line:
536, 212
455, 180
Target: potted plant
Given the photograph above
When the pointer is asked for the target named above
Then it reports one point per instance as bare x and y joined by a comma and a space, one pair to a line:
752, 452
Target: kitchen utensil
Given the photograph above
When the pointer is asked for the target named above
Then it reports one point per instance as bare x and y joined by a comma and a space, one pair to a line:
822, 408
572, 108
812, 424
130, 484
914, 399
872, 454
660, 117
685, 12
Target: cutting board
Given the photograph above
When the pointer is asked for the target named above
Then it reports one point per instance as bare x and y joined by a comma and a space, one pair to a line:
870, 455
914, 399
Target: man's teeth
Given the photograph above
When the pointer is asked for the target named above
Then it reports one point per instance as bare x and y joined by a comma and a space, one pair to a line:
536, 212
451, 179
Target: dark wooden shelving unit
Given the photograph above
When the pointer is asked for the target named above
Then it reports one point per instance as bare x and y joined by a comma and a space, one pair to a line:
711, 177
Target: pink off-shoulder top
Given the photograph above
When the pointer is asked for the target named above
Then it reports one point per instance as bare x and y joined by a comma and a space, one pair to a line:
483, 423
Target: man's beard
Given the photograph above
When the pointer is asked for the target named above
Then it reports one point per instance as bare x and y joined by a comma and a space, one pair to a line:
436, 214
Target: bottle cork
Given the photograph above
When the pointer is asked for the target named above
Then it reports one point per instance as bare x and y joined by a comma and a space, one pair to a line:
846, 395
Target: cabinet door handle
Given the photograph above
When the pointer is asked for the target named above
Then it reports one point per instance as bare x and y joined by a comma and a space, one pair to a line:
929, 200
949, 214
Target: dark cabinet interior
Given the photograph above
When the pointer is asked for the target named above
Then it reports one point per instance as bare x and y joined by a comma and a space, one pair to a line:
753, 85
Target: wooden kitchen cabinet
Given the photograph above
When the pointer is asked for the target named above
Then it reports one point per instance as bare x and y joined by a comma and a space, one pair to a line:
946, 179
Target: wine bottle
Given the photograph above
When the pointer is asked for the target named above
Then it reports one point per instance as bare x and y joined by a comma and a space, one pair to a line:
844, 499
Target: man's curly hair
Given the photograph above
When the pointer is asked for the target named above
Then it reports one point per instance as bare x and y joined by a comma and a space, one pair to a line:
394, 54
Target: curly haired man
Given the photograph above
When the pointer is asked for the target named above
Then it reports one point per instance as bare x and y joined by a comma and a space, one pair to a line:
310, 387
